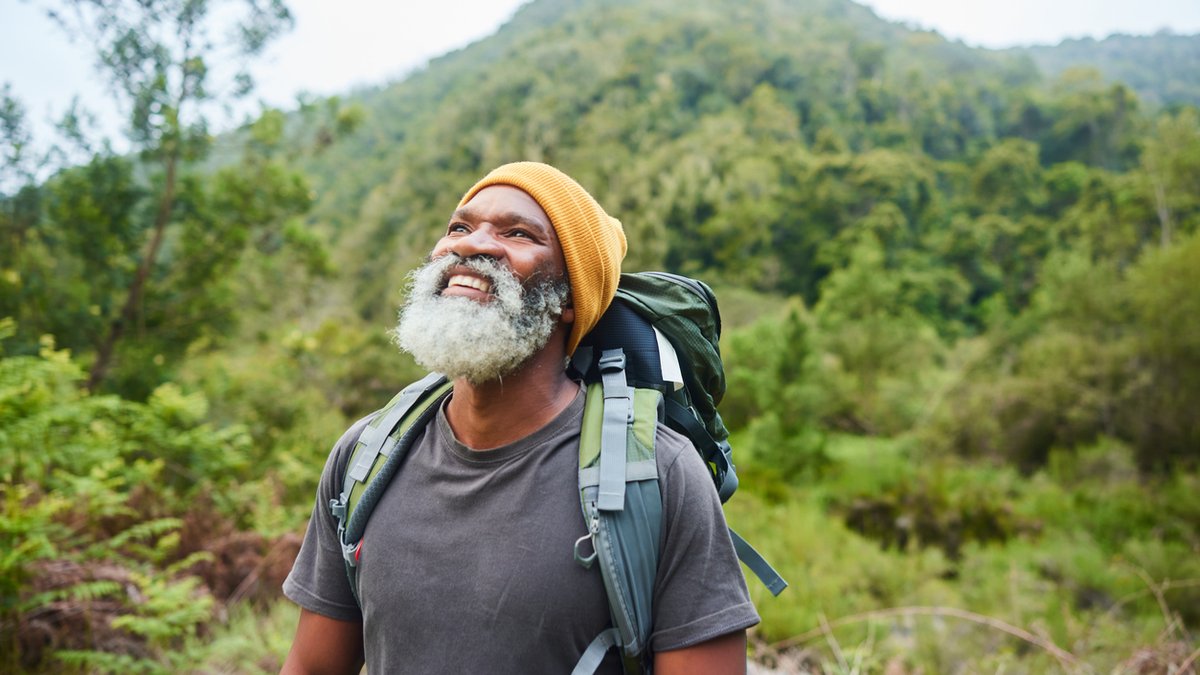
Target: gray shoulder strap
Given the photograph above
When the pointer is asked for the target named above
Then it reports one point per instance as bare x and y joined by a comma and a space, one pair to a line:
594, 654
757, 564
375, 436
622, 506
618, 411
353, 506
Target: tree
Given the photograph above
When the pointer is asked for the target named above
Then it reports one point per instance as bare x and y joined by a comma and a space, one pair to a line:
1171, 162
1161, 412
1093, 122
166, 65
881, 346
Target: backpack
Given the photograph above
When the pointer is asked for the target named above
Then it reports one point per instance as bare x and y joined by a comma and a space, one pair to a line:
653, 357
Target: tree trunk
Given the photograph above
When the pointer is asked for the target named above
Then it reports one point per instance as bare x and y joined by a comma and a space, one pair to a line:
1164, 213
137, 288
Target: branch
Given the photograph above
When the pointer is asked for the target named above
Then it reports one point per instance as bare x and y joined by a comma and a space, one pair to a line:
1066, 659
1187, 663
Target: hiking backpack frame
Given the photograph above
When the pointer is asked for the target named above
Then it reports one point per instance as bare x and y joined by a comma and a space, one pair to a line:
653, 357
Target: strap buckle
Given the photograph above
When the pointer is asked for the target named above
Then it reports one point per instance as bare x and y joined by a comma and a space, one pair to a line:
349, 551
338, 508
612, 361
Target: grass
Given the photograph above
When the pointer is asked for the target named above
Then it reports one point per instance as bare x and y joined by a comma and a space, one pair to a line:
1101, 577
250, 640
1098, 573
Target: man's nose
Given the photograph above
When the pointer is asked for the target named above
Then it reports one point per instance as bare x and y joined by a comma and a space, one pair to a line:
480, 241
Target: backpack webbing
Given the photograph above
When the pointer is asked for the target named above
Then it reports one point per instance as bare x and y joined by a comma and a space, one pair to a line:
616, 457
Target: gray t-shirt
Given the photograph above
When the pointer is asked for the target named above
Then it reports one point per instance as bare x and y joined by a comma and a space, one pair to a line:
467, 562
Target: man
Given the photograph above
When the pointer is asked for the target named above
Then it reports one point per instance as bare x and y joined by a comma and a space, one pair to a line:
466, 564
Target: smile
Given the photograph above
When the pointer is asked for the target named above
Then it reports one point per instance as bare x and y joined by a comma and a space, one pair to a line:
464, 281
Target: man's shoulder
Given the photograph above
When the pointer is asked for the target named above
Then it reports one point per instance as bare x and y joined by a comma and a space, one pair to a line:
345, 444
339, 455
671, 448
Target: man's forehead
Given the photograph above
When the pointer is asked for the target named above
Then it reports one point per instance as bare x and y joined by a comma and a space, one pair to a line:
505, 203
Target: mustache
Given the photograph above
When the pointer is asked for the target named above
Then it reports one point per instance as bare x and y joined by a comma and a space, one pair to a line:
485, 265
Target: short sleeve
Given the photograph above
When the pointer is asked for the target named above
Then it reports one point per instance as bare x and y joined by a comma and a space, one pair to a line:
700, 591
318, 579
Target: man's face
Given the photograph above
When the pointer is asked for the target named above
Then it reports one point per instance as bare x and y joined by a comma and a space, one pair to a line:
492, 293
506, 224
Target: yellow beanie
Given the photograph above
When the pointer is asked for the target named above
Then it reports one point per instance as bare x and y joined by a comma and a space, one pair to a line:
593, 242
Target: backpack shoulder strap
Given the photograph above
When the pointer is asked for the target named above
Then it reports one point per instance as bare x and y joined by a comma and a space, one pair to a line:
387, 437
622, 506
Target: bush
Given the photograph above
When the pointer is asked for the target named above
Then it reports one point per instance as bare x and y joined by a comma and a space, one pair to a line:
97, 492
776, 398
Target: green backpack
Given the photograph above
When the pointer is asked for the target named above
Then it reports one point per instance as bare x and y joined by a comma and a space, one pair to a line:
653, 357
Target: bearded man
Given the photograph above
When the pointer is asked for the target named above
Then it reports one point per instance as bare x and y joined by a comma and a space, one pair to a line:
466, 563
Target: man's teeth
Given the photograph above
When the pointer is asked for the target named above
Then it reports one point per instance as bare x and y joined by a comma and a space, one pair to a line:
470, 282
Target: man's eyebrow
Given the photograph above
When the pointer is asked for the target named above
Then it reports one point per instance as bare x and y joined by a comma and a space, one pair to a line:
507, 218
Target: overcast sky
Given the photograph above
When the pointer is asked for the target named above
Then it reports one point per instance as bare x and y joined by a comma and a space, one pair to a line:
341, 44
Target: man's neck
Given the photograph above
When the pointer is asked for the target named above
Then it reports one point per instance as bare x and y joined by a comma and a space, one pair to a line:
495, 413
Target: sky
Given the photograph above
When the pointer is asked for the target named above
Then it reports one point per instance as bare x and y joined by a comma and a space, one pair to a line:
337, 46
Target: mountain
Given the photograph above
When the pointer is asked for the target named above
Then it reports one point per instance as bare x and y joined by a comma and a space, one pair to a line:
674, 112
1163, 69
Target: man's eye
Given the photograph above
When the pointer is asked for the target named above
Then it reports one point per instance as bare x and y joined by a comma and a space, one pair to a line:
455, 228
521, 233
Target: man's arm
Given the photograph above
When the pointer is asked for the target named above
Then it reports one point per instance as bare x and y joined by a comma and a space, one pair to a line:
325, 646
718, 656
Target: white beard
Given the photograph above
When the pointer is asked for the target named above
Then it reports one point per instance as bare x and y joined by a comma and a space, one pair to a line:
477, 341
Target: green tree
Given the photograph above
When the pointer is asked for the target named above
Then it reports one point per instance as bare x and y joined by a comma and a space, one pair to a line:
1171, 163
1008, 180
158, 56
1092, 122
882, 346
1161, 414
778, 397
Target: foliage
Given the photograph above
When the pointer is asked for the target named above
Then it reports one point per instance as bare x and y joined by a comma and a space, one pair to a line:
960, 331
156, 57
1099, 597
1161, 68
253, 640
97, 497
775, 395
1100, 352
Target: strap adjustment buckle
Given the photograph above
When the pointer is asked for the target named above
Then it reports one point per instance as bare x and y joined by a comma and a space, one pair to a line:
612, 361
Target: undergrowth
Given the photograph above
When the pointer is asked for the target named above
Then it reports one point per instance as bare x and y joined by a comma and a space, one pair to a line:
124, 527
133, 540
1084, 567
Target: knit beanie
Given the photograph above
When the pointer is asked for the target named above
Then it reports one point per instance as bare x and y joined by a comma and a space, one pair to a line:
593, 242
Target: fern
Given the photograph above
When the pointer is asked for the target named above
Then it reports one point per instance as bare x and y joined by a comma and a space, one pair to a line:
169, 611
141, 531
105, 662
85, 591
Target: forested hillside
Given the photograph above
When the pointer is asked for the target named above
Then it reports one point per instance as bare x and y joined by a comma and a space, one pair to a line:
961, 331
1163, 69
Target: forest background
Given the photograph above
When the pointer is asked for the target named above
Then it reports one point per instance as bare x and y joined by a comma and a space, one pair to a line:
958, 287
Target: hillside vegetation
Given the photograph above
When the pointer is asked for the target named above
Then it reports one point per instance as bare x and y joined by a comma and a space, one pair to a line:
962, 333
1161, 68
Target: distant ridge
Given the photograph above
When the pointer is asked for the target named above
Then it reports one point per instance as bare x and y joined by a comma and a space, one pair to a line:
724, 126
1164, 69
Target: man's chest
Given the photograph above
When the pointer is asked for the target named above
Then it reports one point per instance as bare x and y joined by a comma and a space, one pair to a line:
486, 553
